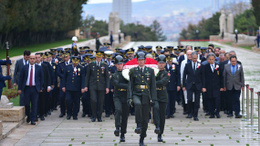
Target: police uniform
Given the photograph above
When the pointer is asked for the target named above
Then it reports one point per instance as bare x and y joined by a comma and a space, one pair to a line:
174, 71
120, 100
74, 81
86, 95
62, 95
97, 80
142, 91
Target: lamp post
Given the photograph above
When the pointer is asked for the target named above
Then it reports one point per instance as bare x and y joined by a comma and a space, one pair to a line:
236, 35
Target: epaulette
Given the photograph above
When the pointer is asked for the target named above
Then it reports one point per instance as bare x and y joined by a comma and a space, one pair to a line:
69, 64
61, 61
104, 62
82, 65
131, 71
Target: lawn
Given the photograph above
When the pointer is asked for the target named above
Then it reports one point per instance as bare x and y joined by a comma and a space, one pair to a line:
16, 51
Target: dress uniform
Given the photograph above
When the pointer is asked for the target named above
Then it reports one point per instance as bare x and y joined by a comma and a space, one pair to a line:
120, 100
159, 109
73, 84
174, 71
109, 103
74, 47
55, 91
60, 71
86, 96
142, 91
97, 82
158, 51
3, 78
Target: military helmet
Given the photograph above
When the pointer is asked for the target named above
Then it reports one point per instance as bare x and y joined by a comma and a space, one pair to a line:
119, 59
141, 55
161, 58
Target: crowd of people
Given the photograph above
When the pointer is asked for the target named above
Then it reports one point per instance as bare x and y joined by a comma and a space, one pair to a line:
63, 77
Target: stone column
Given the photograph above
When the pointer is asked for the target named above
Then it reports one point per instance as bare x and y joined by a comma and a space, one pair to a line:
222, 22
111, 23
230, 22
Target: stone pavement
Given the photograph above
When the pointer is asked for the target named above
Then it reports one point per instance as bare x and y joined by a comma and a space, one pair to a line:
178, 130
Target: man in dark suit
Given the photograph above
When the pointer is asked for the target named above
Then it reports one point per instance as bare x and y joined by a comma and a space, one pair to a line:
73, 84
18, 67
192, 82
233, 82
31, 84
3, 78
173, 85
46, 86
97, 82
212, 85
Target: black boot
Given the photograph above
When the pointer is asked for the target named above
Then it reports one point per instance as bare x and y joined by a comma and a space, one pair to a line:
122, 138
160, 138
138, 129
116, 132
141, 141
157, 129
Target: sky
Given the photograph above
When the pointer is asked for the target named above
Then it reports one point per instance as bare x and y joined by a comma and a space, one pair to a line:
108, 1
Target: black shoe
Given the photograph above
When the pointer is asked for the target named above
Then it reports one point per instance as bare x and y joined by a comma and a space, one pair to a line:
238, 116
230, 115
225, 112
93, 119
160, 138
107, 115
99, 120
28, 120
83, 115
33, 123
49, 112
141, 141
68, 117
122, 138
172, 116
138, 130
185, 113
45, 115
167, 117
189, 116
218, 116
42, 118
75, 118
116, 132
61, 115
89, 115
207, 114
157, 130
196, 119
211, 116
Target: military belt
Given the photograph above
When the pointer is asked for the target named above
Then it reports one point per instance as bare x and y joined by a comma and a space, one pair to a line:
121, 89
161, 88
141, 87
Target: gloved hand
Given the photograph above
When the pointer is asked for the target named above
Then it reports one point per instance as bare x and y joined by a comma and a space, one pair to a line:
151, 103
130, 102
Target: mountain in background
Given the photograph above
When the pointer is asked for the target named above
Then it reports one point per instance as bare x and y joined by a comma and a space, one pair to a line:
173, 15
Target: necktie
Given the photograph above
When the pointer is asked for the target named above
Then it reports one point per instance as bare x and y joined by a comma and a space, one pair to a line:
31, 76
141, 69
194, 68
212, 68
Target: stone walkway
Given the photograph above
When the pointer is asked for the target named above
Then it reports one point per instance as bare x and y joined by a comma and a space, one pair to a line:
178, 130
